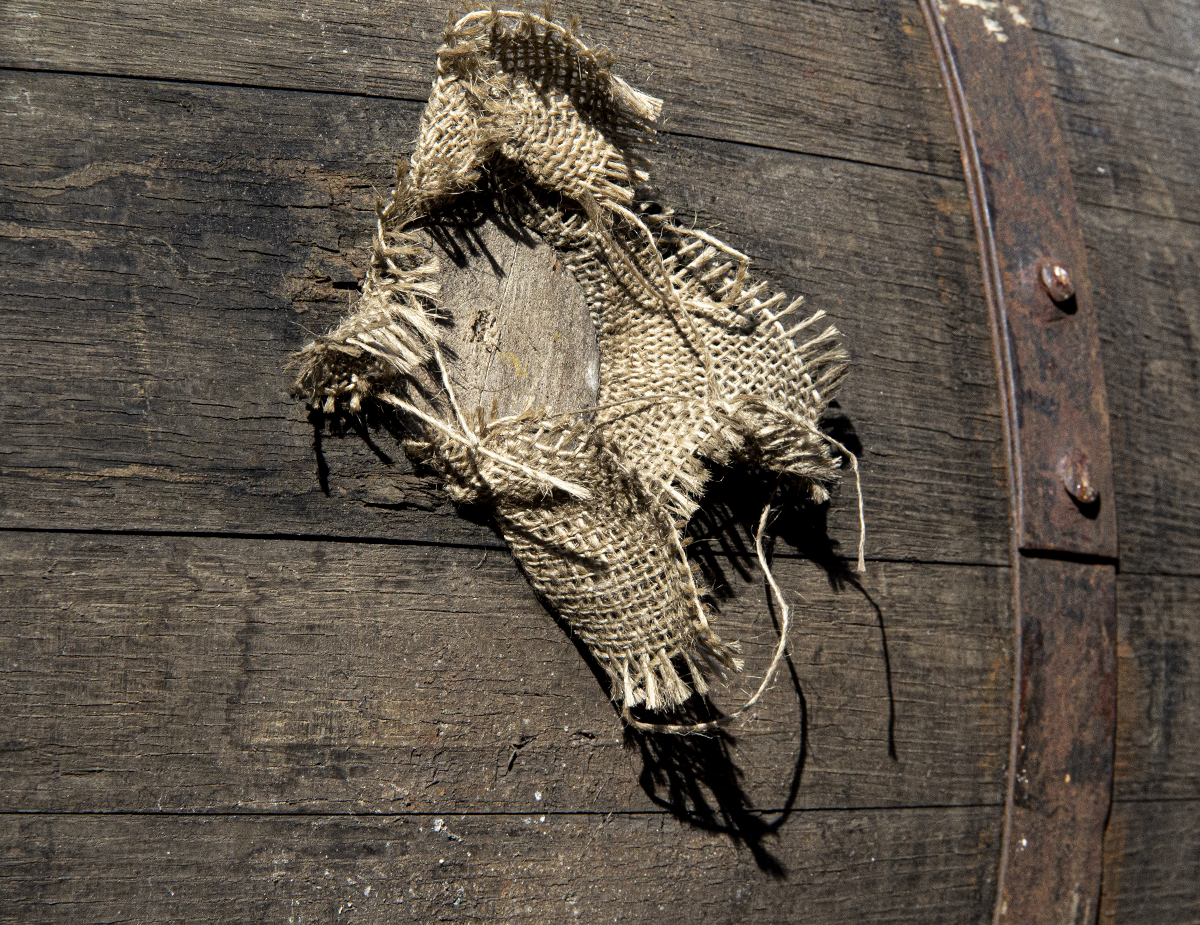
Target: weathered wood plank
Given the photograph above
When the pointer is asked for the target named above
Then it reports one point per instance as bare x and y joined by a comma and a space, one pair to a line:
1152, 864
1158, 703
274, 707
1131, 128
912, 866
1147, 273
160, 241
868, 88
192, 674
856, 81
1157, 30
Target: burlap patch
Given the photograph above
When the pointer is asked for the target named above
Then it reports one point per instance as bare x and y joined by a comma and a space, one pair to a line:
697, 360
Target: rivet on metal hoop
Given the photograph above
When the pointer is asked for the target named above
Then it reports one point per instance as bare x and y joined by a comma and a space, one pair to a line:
1056, 280
1075, 471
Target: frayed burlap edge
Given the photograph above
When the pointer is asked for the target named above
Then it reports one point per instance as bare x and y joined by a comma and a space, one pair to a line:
518, 92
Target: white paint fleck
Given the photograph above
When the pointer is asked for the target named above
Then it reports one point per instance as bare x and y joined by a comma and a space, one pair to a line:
537, 795
991, 10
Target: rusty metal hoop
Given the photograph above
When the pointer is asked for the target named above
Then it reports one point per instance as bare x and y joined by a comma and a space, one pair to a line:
1059, 461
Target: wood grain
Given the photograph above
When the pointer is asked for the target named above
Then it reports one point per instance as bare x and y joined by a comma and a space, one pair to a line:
1131, 127
168, 247
1163, 32
1152, 864
1147, 273
911, 866
189, 674
1158, 702
856, 81
169, 239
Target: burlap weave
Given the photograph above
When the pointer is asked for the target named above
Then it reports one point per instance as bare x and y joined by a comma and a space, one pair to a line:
697, 360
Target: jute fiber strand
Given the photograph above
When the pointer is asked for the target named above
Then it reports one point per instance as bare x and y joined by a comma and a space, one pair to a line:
698, 361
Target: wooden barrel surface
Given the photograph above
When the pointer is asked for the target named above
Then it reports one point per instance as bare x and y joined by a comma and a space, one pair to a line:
256, 668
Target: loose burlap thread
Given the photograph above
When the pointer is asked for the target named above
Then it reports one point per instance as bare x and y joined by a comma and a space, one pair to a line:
698, 361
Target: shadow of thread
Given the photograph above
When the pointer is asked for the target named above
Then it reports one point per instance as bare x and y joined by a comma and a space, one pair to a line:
316, 419
697, 780
723, 536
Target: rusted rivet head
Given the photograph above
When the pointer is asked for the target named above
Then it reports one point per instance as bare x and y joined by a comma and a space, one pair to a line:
1056, 280
1075, 471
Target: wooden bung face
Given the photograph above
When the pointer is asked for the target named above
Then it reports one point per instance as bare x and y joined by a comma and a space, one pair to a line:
516, 327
